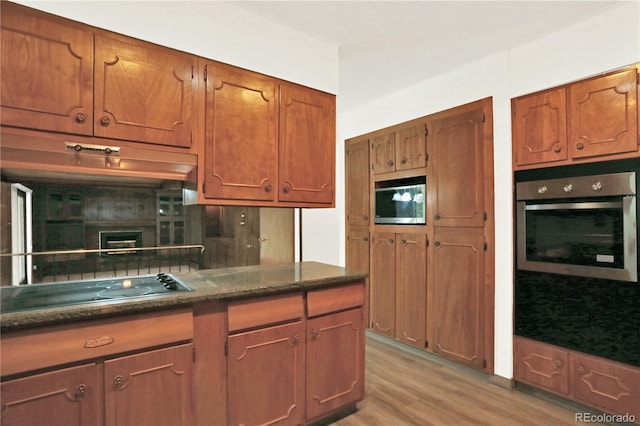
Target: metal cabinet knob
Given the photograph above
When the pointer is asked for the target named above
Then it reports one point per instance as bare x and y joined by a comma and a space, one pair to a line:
80, 392
118, 382
80, 118
557, 149
389, 163
268, 188
579, 145
286, 189
105, 121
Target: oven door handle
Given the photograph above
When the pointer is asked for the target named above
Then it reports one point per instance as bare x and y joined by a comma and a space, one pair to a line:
576, 206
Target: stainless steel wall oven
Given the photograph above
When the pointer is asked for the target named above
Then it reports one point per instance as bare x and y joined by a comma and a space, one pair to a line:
579, 225
576, 269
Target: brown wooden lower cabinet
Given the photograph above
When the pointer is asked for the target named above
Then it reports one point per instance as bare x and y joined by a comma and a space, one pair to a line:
288, 368
69, 397
596, 382
266, 373
133, 391
335, 378
151, 388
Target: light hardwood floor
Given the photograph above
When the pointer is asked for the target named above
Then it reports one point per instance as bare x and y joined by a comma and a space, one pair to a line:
407, 388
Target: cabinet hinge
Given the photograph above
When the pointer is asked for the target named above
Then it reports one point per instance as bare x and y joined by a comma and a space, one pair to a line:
205, 72
638, 78
484, 117
485, 247
485, 216
194, 355
426, 156
427, 242
203, 188
226, 348
426, 131
192, 72
426, 344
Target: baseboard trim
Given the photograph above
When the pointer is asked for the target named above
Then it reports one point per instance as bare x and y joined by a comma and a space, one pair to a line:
502, 382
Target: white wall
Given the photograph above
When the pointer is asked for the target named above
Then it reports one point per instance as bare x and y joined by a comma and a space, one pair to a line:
602, 43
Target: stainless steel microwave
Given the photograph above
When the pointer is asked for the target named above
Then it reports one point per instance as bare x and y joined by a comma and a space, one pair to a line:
401, 204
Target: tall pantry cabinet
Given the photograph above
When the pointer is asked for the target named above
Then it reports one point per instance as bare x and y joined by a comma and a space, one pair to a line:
430, 286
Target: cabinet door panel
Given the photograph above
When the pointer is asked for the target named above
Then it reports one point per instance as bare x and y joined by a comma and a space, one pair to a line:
47, 74
603, 116
411, 288
383, 283
65, 397
241, 135
541, 365
458, 262
143, 92
357, 182
136, 387
335, 378
410, 148
383, 153
307, 145
540, 127
606, 385
266, 376
459, 170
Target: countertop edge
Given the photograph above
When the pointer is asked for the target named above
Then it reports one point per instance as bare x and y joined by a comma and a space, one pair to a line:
209, 285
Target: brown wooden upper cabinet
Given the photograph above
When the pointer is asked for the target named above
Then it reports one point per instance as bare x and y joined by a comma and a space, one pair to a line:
47, 73
143, 92
456, 191
133, 91
307, 144
267, 141
357, 182
241, 148
403, 149
578, 121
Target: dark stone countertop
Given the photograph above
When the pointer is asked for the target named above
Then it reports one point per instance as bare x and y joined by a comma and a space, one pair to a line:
209, 284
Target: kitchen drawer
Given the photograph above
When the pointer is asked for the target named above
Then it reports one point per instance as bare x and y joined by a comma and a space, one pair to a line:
260, 311
334, 299
50, 346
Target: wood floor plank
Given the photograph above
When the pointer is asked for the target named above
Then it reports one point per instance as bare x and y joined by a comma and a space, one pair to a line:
405, 387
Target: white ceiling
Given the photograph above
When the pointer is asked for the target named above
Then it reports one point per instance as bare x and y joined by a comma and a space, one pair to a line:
409, 41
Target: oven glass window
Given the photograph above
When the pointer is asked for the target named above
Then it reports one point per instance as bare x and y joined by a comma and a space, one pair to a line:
588, 237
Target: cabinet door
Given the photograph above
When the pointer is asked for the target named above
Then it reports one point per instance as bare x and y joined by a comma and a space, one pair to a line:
143, 92
410, 148
266, 376
541, 365
357, 257
383, 283
458, 164
307, 144
47, 73
383, 153
411, 288
241, 134
152, 388
458, 295
607, 385
357, 182
64, 397
335, 362
539, 124
603, 115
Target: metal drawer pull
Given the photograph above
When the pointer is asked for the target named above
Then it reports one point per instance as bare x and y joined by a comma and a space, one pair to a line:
80, 391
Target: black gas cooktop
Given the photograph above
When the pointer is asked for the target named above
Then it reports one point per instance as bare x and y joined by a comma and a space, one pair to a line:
37, 296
